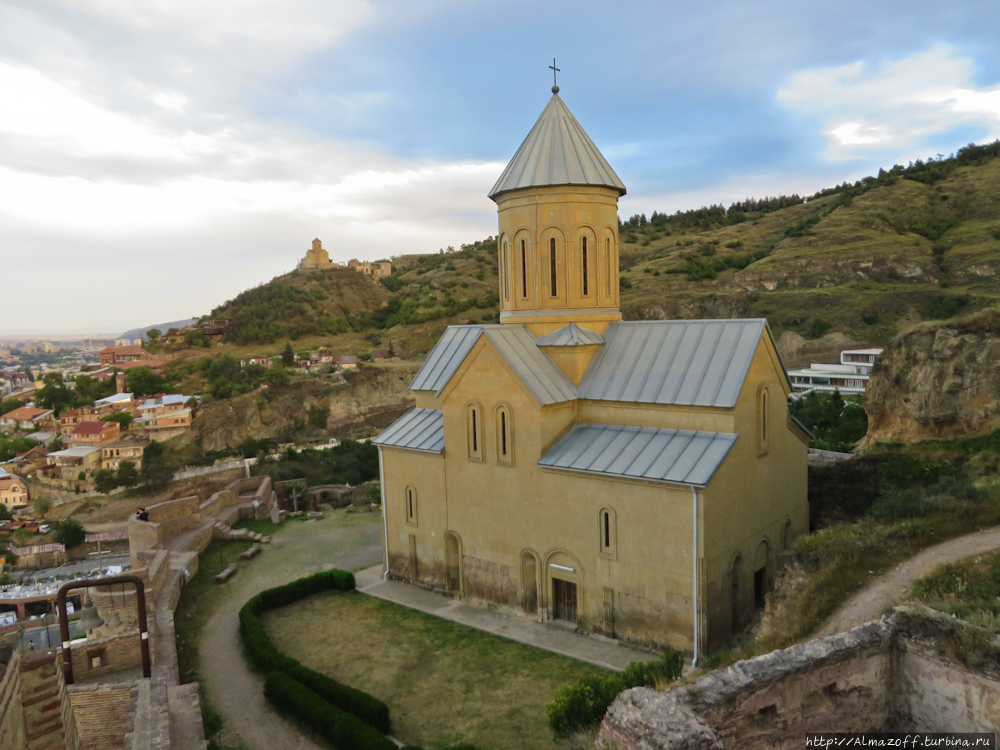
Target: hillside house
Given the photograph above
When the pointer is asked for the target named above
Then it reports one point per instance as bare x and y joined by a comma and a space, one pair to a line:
66, 466
28, 418
114, 403
13, 492
114, 355
125, 449
94, 434
850, 377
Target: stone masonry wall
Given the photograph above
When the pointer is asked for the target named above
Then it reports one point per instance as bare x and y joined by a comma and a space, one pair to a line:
942, 696
11, 712
102, 714
117, 652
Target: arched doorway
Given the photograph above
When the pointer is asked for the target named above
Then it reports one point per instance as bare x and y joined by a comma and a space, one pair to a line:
760, 574
453, 561
563, 576
529, 582
734, 599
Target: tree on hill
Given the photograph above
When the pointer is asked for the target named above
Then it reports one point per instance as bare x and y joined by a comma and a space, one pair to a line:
55, 394
153, 334
10, 404
144, 382
71, 533
105, 481
128, 475
288, 355
123, 418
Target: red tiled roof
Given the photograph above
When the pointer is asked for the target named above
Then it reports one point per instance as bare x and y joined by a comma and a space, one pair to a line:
123, 350
91, 428
24, 412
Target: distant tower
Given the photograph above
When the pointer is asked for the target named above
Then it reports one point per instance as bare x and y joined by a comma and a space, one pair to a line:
316, 257
557, 202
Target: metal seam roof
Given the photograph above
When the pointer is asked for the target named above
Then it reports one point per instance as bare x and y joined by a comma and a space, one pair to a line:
557, 151
418, 429
657, 454
570, 335
540, 374
682, 362
455, 343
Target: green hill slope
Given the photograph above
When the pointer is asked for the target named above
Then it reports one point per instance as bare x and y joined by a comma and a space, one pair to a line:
865, 261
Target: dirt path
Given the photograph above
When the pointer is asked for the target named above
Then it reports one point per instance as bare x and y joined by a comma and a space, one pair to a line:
891, 588
346, 541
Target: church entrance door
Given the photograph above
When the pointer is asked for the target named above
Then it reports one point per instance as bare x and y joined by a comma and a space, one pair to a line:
564, 599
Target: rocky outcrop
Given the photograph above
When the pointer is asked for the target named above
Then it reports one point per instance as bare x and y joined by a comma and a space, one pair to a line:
371, 398
939, 380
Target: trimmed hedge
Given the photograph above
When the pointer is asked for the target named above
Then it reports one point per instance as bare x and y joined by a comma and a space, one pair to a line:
266, 657
339, 727
583, 705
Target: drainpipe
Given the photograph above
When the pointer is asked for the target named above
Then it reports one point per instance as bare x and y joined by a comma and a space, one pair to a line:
694, 544
385, 521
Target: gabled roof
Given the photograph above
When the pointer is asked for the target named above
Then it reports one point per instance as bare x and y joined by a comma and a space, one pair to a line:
92, 428
445, 357
557, 151
113, 399
25, 413
417, 430
571, 335
662, 455
518, 348
684, 362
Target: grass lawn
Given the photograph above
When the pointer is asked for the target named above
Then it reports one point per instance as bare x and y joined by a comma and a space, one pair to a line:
444, 682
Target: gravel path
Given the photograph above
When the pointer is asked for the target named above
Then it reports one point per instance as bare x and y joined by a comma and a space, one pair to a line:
346, 541
892, 588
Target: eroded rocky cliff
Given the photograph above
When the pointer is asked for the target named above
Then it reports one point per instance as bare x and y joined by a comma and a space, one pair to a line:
371, 398
939, 380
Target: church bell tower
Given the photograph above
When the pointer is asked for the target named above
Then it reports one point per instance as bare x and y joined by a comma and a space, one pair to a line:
557, 202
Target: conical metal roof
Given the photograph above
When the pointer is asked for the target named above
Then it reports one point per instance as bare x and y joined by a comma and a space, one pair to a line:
557, 151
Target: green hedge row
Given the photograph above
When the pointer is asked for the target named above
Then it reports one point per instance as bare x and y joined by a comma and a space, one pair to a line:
339, 727
266, 657
583, 705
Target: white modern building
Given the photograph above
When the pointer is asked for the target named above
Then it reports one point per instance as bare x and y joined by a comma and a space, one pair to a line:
850, 377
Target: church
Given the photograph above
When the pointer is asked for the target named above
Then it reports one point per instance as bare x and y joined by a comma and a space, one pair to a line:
629, 478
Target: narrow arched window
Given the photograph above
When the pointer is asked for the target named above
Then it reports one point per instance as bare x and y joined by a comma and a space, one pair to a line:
552, 267
607, 260
583, 258
411, 505
763, 426
474, 426
524, 271
608, 545
505, 271
505, 435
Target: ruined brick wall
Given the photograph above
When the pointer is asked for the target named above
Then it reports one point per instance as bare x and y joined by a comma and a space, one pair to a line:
938, 695
142, 536
11, 714
102, 714
43, 695
175, 516
115, 652
491, 581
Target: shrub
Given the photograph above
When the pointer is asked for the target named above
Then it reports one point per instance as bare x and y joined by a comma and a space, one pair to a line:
579, 706
583, 705
339, 727
71, 533
899, 505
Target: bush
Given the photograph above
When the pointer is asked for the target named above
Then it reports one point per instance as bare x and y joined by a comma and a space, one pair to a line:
583, 705
339, 727
71, 533
265, 655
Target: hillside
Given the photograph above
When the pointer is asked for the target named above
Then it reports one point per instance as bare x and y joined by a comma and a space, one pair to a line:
136, 333
855, 264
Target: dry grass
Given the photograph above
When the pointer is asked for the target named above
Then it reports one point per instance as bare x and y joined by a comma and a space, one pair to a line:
444, 682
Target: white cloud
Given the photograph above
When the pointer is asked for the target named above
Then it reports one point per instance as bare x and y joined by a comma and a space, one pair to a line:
895, 108
128, 151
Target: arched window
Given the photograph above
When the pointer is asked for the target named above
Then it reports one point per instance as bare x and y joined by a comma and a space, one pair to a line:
505, 271
524, 271
505, 435
607, 260
411, 505
554, 291
607, 524
763, 421
583, 259
474, 425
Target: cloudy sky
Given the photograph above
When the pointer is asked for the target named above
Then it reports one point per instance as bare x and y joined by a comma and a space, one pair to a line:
159, 156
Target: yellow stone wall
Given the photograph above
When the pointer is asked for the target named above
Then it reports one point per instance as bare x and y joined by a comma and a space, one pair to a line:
503, 514
567, 215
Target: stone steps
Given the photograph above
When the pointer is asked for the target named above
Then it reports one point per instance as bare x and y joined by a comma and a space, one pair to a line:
186, 730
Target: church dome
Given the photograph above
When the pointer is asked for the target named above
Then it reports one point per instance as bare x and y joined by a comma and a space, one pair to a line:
557, 151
